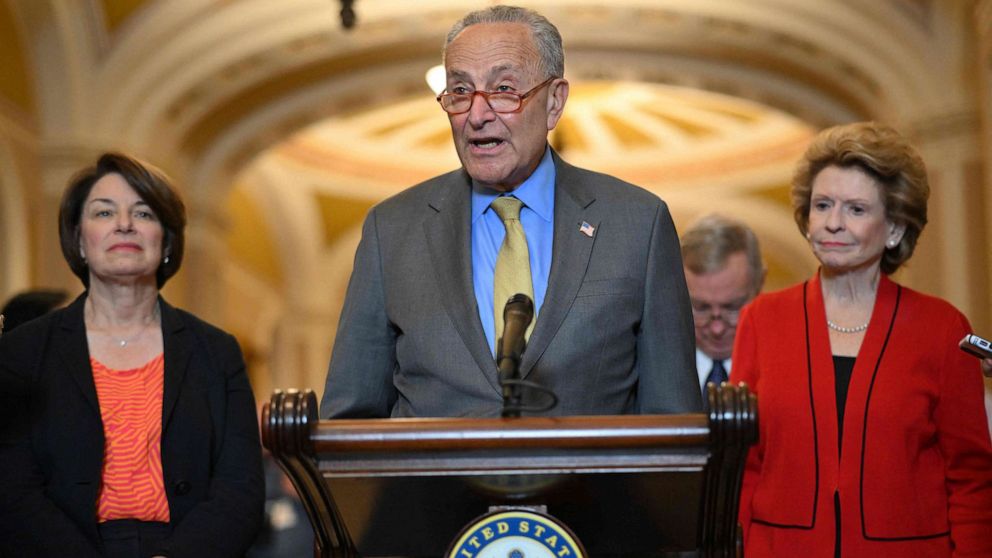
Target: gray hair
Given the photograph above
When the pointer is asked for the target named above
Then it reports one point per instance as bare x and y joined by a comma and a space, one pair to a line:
713, 238
545, 34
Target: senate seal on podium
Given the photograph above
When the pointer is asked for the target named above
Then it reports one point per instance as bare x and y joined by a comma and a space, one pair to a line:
516, 534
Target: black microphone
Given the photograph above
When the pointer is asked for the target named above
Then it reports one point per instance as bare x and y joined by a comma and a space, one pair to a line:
517, 315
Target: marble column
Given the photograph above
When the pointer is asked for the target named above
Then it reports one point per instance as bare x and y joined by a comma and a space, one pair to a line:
58, 163
302, 350
953, 260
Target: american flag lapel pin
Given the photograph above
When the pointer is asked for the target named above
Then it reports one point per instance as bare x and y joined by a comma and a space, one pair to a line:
587, 229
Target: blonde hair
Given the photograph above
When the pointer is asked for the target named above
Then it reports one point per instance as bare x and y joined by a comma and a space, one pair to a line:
894, 165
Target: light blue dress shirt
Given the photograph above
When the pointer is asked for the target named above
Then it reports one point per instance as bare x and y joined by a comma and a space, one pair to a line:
537, 217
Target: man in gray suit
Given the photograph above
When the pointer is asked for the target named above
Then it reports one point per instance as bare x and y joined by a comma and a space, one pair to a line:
613, 331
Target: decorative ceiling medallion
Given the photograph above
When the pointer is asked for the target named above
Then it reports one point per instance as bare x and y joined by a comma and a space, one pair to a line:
644, 133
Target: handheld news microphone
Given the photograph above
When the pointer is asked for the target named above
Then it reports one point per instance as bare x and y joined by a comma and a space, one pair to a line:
517, 315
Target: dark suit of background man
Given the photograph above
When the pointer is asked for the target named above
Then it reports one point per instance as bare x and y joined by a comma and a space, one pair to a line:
724, 271
613, 331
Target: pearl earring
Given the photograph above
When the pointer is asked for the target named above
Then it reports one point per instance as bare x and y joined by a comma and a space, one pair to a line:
165, 260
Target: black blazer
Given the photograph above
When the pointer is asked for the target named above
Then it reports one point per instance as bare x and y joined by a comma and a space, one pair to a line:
51, 440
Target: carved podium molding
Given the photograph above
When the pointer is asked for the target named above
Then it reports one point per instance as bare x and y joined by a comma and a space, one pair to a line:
516, 462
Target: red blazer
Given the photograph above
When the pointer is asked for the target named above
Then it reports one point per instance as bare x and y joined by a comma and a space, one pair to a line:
914, 475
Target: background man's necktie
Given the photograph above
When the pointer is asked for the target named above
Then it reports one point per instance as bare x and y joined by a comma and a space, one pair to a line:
513, 262
717, 375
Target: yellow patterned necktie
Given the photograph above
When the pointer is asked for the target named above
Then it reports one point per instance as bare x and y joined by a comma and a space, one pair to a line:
513, 262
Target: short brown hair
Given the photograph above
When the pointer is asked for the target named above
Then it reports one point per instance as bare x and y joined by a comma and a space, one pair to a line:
889, 160
150, 184
713, 238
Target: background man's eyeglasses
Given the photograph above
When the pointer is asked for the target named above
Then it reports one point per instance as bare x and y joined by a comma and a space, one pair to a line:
500, 101
703, 316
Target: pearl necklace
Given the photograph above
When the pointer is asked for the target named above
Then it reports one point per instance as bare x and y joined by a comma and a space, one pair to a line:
842, 329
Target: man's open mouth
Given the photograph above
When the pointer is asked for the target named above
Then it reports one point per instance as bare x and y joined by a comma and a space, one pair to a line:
486, 143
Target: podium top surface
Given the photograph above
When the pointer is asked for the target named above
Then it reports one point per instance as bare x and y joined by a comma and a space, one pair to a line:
391, 435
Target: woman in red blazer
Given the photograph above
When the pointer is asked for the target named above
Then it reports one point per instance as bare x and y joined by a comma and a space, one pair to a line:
873, 441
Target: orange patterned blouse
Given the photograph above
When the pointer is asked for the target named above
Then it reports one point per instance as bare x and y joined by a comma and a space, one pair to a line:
131, 408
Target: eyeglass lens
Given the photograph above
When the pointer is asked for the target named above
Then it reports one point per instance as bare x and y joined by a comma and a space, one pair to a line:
703, 316
499, 102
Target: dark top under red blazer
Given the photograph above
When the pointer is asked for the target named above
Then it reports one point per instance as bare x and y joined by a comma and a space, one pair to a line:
51, 440
914, 475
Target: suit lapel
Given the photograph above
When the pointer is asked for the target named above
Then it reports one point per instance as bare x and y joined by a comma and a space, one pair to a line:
820, 368
876, 337
869, 362
865, 366
570, 258
177, 342
75, 352
449, 234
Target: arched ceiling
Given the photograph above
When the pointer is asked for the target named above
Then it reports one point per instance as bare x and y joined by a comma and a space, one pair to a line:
116, 12
699, 150
186, 77
705, 101
661, 137
17, 84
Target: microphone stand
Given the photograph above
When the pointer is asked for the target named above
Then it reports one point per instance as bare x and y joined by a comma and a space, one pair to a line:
509, 379
517, 315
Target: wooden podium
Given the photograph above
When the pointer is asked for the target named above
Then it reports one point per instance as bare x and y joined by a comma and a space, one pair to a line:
627, 486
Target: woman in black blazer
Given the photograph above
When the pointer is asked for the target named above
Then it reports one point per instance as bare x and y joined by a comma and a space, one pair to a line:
128, 426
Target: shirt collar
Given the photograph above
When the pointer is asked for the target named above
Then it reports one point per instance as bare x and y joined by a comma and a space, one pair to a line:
704, 363
537, 192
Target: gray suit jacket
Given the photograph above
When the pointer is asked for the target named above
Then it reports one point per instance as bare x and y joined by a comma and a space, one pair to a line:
613, 336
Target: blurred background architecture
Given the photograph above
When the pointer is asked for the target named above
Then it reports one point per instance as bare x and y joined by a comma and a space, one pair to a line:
283, 127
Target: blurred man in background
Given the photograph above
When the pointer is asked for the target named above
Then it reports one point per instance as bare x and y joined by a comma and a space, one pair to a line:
723, 271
